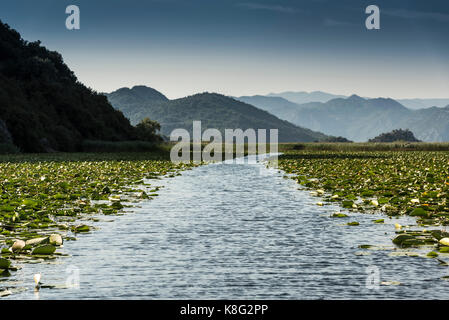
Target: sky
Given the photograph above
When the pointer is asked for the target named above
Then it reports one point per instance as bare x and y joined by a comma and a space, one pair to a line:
247, 47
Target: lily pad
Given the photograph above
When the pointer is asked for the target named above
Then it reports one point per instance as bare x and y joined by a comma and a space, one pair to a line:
4, 263
347, 203
36, 241
390, 283
44, 250
4, 293
401, 238
339, 215
418, 212
56, 239
82, 228
432, 254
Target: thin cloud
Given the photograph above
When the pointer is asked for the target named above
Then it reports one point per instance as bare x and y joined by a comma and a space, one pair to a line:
408, 14
268, 7
336, 23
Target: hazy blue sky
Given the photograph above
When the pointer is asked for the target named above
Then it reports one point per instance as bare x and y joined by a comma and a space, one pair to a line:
246, 47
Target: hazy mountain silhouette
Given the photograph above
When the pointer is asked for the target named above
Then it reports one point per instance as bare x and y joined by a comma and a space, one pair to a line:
423, 103
274, 105
360, 119
301, 97
214, 110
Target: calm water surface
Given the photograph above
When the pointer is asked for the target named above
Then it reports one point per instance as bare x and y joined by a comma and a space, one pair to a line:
233, 231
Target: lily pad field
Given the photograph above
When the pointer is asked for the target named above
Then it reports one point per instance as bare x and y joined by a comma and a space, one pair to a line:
396, 183
47, 199
50, 199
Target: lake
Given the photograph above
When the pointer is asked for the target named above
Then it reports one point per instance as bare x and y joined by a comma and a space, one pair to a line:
236, 231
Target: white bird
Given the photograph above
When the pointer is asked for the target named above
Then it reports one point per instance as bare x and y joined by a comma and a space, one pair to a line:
37, 280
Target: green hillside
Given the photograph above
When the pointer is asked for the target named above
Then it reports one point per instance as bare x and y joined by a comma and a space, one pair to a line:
395, 135
44, 107
214, 111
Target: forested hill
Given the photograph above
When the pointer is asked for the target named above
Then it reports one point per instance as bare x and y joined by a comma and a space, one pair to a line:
214, 110
42, 104
134, 102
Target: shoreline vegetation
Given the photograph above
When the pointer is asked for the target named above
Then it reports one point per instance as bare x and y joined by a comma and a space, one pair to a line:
365, 146
50, 198
396, 179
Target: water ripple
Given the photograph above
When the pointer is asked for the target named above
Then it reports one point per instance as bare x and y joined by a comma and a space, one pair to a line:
233, 231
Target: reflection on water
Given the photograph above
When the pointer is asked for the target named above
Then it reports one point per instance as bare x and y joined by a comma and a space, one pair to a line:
235, 231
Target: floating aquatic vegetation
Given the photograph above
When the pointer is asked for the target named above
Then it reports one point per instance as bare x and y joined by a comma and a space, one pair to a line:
444, 241
339, 215
403, 254
4, 264
44, 250
81, 228
44, 197
395, 183
390, 283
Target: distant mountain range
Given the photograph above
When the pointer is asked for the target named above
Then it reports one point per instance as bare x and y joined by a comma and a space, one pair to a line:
302, 97
305, 97
354, 117
43, 107
423, 103
357, 118
214, 110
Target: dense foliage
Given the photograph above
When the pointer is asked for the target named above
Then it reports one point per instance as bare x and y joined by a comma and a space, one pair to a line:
395, 135
43, 107
147, 130
214, 111
336, 140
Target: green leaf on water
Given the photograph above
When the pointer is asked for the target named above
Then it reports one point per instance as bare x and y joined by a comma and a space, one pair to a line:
348, 204
339, 215
4, 263
44, 250
82, 228
30, 203
401, 238
418, 212
432, 254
